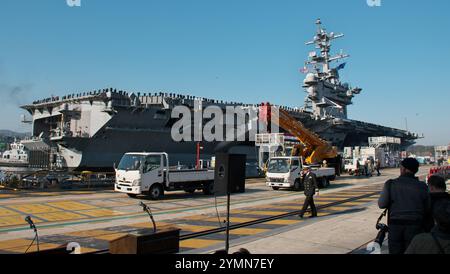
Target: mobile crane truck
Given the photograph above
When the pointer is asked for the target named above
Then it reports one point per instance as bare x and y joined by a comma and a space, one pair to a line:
286, 172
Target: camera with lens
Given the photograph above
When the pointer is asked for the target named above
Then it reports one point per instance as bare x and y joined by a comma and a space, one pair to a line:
382, 230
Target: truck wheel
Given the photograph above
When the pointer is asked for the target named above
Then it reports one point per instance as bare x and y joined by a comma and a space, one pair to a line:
208, 189
297, 185
156, 192
324, 182
132, 195
275, 188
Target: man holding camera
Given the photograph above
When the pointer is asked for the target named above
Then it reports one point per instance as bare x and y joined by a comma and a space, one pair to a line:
408, 202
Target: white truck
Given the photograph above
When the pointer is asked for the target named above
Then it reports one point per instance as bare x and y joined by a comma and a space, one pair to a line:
352, 166
286, 172
150, 174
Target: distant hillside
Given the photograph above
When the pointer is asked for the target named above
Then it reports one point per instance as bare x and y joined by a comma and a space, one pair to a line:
9, 133
422, 150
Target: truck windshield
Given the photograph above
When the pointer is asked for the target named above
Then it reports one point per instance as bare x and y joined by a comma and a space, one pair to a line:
279, 166
131, 162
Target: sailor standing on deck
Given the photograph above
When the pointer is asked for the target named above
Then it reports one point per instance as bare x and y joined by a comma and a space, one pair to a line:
310, 185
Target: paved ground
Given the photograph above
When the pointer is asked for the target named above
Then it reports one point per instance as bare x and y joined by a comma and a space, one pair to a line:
92, 218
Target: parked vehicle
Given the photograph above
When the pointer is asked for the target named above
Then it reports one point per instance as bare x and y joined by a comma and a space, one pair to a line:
286, 172
352, 166
150, 174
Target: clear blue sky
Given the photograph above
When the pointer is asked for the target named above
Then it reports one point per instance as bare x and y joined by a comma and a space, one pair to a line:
240, 50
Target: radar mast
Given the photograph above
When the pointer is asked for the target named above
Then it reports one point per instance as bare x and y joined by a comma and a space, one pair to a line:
327, 96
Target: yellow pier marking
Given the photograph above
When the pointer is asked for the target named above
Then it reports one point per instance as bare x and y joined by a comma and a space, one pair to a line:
69, 205
4, 196
322, 202
79, 192
368, 200
42, 246
33, 208
198, 243
194, 228
359, 202
6, 212
338, 208
89, 233
283, 222
319, 198
358, 193
16, 243
97, 234
261, 212
239, 231
87, 249
294, 208
101, 213
59, 216
45, 194
111, 236
150, 225
232, 219
247, 231
13, 220
196, 217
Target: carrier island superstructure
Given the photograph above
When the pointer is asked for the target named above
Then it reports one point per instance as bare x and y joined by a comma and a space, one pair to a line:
92, 130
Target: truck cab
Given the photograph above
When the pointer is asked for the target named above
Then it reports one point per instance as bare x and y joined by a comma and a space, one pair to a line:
286, 172
137, 172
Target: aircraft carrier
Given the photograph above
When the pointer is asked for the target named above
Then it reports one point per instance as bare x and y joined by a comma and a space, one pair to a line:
92, 130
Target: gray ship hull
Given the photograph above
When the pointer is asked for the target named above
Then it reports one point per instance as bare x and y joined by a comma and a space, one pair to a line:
107, 147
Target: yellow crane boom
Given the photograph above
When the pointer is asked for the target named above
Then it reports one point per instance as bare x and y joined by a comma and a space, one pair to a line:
314, 149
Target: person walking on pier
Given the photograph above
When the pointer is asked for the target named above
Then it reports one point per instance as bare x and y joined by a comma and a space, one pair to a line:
310, 185
366, 168
377, 166
370, 167
408, 202
358, 168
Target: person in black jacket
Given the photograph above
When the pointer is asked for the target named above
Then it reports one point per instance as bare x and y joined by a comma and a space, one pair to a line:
310, 185
408, 202
438, 192
438, 240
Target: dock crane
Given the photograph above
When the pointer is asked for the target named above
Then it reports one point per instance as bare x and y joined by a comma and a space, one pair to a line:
313, 148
